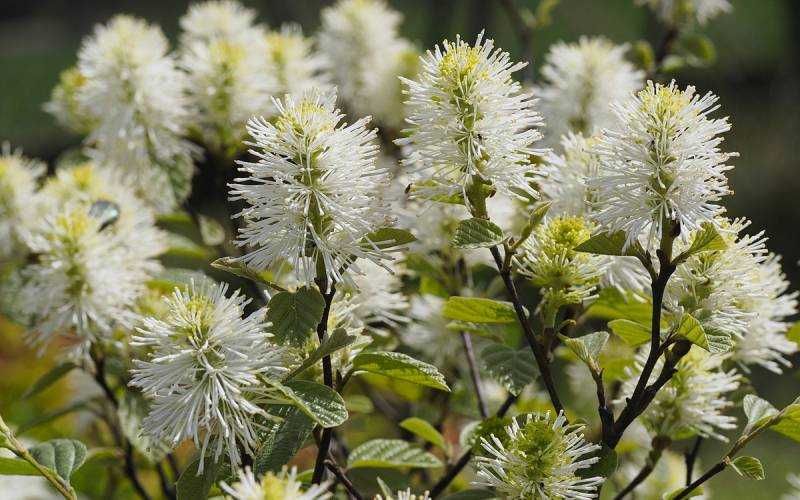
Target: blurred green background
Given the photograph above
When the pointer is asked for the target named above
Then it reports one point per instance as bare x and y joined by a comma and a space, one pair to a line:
756, 75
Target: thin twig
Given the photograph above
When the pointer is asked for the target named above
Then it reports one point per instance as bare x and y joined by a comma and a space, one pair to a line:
719, 467
659, 445
474, 374
691, 458
327, 375
542, 361
462, 462
342, 477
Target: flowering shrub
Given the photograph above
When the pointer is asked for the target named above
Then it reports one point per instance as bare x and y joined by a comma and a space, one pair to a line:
493, 288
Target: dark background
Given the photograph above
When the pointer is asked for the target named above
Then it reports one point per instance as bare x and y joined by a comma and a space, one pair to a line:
756, 75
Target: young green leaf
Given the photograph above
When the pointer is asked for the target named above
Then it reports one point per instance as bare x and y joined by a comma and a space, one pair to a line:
789, 422
632, 333
283, 439
388, 238
238, 268
211, 231
477, 233
61, 455
587, 347
390, 454
423, 429
691, 329
513, 368
339, 339
324, 405
758, 412
706, 239
49, 378
749, 467
479, 310
611, 305
16, 467
294, 315
609, 244
400, 366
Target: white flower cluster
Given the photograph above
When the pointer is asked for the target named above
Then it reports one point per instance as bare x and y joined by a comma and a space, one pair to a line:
580, 81
310, 195
282, 486
18, 179
678, 12
470, 123
202, 371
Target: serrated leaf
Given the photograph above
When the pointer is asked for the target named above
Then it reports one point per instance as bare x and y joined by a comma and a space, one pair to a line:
423, 429
758, 412
691, 329
388, 238
63, 456
479, 310
339, 339
391, 454
193, 486
283, 439
749, 467
706, 239
513, 368
48, 379
789, 422
477, 233
400, 366
16, 467
632, 333
239, 268
321, 403
294, 315
609, 244
588, 347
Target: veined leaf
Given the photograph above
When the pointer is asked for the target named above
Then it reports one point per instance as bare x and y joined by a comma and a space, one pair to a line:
339, 339
400, 366
611, 305
513, 368
789, 422
191, 485
387, 238
587, 347
609, 244
479, 310
632, 333
321, 403
749, 467
16, 467
758, 412
691, 329
49, 378
423, 429
706, 239
391, 454
61, 455
477, 233
283, 439
238, 268
294, 315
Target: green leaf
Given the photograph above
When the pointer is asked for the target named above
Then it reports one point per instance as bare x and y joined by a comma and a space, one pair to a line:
49, 378
749, 467
694, 493
758, 412
387, 238
238, 268
472, 495
45, 418
172, 278
706, 239
496, 332
609, 244
181, 247
700, 49
295, 315
191, 486
324, 405
16, 467
61, 455
477, 233
339, 339
423, 429
390, 454
513, 368
789, 422
691, 329
479, 310
588, 347
632, 333
400, 366
611, 305
283, 439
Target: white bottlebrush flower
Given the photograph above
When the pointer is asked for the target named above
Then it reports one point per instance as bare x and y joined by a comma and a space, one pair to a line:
661, 163
64, 104
794, 493
378, 298
549, 259
677, 12
271, 486
310, 196
295, 66
693, 401
86, 279
539, 459
427, 330
580, 82
135, 95
219, 19
18, 179
364, 55
405, 495
470, 121
565, 176
202, 371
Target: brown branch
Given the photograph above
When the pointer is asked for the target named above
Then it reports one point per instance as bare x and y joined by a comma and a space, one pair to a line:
327, 376
342, 477
719, 467
691, 458
474, 374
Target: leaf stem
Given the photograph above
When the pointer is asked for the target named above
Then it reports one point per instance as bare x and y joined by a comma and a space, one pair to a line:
328, 291
475, 375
